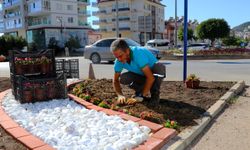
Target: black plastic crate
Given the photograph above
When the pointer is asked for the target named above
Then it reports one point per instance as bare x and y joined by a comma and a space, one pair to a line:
31, 63
32, 89
69, 66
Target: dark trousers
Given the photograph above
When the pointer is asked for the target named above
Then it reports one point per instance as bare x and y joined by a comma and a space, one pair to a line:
136, 81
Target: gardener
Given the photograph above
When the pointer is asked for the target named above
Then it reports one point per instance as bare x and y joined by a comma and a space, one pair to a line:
144, 72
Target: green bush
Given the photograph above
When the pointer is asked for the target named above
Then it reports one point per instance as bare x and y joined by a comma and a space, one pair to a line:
9, 42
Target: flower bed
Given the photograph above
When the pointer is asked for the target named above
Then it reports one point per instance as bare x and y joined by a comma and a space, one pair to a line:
178, 109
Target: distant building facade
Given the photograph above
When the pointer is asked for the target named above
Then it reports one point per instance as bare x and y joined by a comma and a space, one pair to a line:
93, 37
245, 34
40, 20
169, 32
140, 20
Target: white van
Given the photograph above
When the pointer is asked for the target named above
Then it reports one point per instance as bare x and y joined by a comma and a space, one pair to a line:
161, 44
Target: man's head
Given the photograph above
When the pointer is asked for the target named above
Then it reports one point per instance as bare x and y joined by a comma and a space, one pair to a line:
120, 50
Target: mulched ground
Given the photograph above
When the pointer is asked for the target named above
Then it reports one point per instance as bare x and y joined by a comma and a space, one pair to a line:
7, 142
177, 103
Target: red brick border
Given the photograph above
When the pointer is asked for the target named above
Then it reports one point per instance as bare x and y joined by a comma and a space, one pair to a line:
160, 135
19, 133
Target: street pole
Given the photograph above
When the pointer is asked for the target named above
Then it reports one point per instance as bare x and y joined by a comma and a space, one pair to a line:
175, 28
185, 40
145, 34
117, 23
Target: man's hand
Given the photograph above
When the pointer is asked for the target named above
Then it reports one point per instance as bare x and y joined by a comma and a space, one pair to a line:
135, 99
121, 99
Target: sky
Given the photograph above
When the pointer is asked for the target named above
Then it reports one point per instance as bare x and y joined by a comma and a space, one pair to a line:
235, 12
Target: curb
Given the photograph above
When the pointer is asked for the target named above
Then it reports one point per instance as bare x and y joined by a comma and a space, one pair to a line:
182, 140
159, 134
30, 141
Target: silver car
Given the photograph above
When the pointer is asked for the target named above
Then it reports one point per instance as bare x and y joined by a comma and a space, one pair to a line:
100, 50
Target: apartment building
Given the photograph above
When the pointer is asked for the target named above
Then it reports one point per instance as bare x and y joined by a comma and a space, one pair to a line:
169, 31
140, 20
40, 20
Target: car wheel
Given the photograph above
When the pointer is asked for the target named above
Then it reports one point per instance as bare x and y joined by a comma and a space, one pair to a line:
95, 58
111, 62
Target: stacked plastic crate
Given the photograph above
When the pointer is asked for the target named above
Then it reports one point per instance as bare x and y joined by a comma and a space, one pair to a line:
34, 76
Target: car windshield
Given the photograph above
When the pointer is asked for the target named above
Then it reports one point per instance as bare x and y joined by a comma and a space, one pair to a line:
132, 43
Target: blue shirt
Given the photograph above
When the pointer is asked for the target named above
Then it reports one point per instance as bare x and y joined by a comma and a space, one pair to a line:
140, 57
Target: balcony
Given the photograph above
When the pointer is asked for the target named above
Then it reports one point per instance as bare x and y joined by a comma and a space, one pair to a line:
12, 15
14, 26
83, 24
84, 13
122, 19
39, 22
94, 4
84, 2
39, 12
10, 4
95, 22
100, 12
122, 29
103, 30
122, 9
103, 21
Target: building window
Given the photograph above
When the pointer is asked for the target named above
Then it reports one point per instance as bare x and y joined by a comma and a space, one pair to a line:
34, 5
69, 7
59, 6
70, 20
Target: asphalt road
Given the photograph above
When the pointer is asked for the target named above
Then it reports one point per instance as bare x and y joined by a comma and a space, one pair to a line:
207, 70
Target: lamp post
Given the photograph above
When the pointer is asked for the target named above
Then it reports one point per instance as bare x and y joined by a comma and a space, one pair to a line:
175, 24
117, 23
145, 34
61, 29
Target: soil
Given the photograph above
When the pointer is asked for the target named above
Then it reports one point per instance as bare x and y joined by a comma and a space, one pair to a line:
7, 142
177, 103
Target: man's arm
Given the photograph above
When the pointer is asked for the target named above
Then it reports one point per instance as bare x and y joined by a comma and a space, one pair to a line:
116, 84
117, 87
149, 80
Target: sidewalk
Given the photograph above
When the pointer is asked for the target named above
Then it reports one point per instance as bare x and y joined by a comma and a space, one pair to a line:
230, 131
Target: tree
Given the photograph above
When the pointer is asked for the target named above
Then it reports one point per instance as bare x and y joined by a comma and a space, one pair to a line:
212, 29
190, 34
230, 41
9, 42
234, 41
73, 42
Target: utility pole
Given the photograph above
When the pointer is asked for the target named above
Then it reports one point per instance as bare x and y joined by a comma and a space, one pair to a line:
117, 22
145, 34
175, 28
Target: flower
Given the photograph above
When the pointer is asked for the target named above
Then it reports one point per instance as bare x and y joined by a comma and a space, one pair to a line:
45, 60
192, 77
24, 61
171, 124
27, 85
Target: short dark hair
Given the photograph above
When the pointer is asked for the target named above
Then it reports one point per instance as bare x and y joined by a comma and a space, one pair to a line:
119, 44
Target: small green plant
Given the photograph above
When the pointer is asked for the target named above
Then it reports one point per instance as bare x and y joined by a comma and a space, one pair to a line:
192, 77
96, 101
232, 100
87, 97
104, 105
171, 124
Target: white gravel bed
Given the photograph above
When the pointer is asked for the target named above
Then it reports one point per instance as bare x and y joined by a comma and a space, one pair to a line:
65, 125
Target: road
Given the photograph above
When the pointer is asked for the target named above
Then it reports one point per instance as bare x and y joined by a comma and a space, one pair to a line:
207, 70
